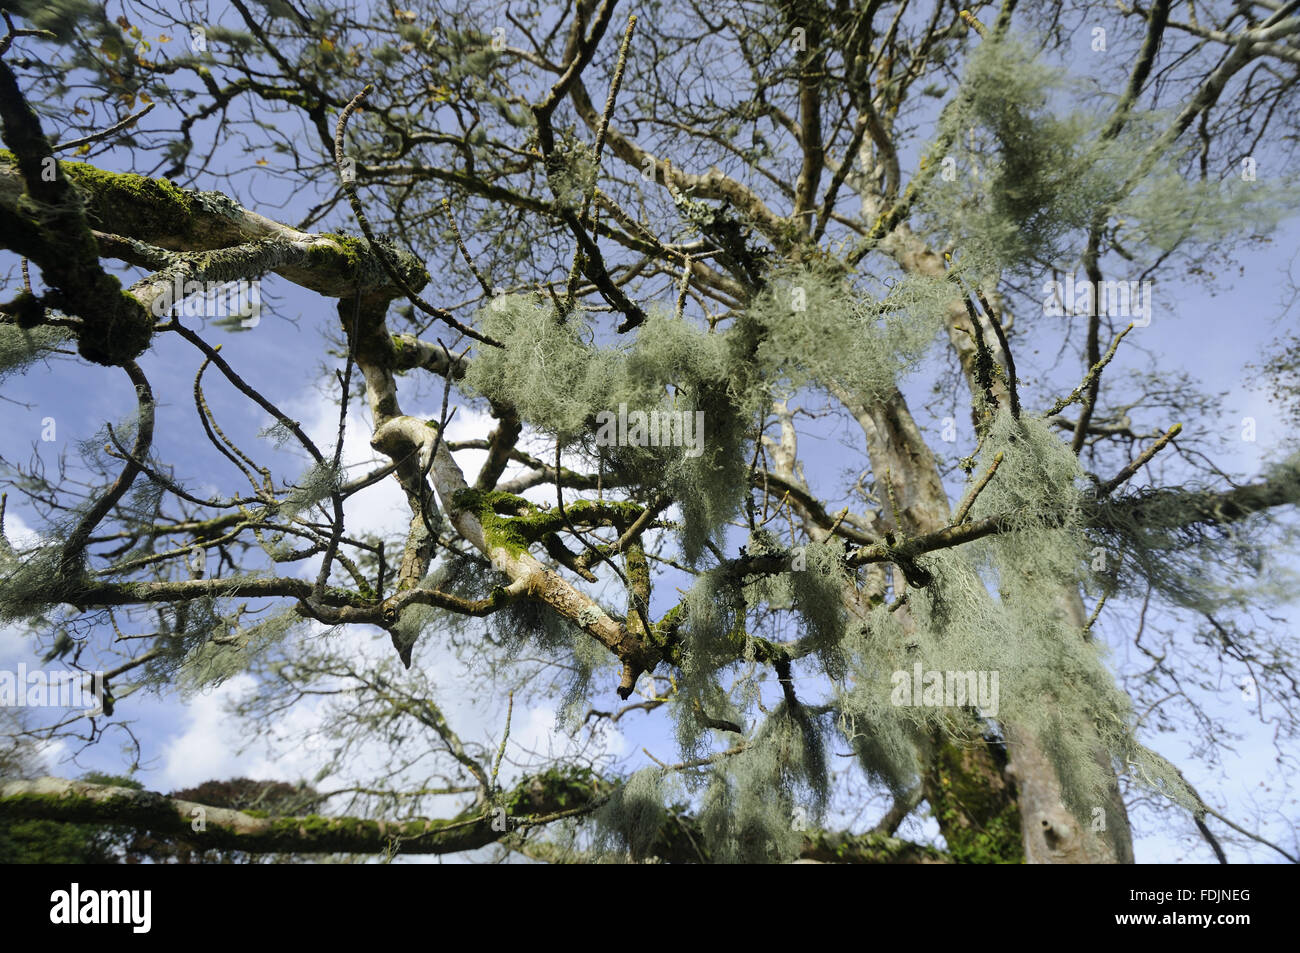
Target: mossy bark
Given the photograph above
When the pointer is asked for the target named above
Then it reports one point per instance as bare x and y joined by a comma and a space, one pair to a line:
975, 804
206, 827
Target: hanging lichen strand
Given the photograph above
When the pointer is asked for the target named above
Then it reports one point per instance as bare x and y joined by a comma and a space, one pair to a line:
810, 328
1050, 679
1014, 186
559, 381
218, 658
1056, 683
1018, 657
1150, 544
35, 580
20, 346
815, 329
759, 802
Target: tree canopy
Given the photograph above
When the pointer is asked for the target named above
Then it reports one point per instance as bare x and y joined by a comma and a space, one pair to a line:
750, 373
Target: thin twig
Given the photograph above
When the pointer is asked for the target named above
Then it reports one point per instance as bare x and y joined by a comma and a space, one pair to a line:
336, 498
464, 252
104, 134
975, 491
683, 287
501, 751
1093, 371
15, 32
1142, 459
603, 129
1087, 626
381, 254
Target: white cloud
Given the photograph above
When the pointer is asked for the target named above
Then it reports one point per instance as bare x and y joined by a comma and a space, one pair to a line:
204, 750
215, 745
380, 508
19, 533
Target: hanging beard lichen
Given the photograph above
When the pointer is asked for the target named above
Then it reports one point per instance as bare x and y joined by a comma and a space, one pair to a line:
814, 329
1021, 658
758, 805
316, 484
1054, 683
1219, 558
541, 351
812, 590
21, 346
633, 817
41, 577
32, 582
672, 372
714, 623
760, 802
1017, 185
227, 651
811, 328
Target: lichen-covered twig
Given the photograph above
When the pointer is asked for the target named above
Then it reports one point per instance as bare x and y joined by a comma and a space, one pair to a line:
1092, 374
1139, 462
969, 500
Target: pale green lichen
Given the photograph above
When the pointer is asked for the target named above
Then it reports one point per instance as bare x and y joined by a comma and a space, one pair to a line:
21, 346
